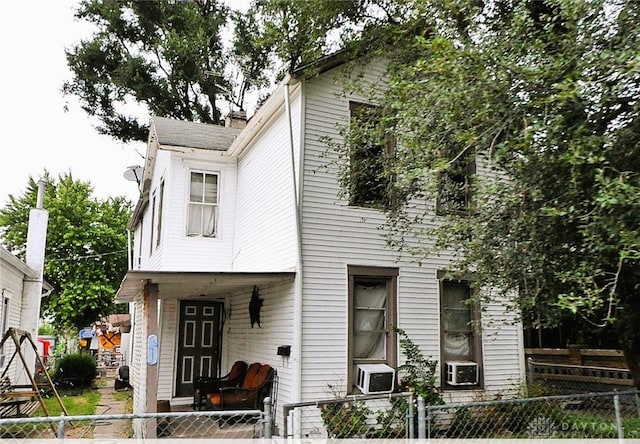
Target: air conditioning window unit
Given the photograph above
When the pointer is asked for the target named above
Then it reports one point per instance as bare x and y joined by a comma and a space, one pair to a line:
375, 378
461, 372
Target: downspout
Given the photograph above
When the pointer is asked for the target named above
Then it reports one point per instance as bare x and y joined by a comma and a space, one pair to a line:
297, 302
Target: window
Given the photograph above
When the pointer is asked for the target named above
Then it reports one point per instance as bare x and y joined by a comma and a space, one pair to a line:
4, 321
369, 151
461, 337
141, 235
160, 200
203, 204
153, 218
454, 188
372, 314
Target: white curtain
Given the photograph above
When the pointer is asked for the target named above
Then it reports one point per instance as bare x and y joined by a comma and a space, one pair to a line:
370, 301
203, 199
457, 323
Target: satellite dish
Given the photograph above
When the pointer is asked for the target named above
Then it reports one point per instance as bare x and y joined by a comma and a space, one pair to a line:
133, 173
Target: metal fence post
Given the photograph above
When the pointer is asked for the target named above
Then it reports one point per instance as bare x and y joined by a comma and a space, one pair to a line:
616, 405
60, 433
410, 415
637, 395
267, 418
421, 419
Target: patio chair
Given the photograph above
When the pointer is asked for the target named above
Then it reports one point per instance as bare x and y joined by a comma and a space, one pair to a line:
204, 385
250, 395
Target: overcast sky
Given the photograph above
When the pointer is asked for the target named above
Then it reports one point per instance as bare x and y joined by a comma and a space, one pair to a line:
35, 131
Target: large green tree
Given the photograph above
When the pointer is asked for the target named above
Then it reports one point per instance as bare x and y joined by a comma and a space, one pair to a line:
86, 249
544, 94
166, 57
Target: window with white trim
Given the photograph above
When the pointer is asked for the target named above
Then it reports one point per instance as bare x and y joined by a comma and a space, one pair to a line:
153, 223
203, 204
159, 211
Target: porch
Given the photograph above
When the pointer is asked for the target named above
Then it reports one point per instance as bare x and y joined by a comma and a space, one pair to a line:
197, 323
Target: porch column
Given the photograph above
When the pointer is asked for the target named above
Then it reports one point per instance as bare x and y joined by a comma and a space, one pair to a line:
152, 352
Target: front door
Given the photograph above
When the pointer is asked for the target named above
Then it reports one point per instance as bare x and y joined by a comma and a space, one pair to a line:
199, 338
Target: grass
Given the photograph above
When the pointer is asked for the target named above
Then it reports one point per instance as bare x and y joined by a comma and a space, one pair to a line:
127, 396
82, 403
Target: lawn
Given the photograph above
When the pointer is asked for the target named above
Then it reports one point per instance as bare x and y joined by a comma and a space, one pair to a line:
76, 402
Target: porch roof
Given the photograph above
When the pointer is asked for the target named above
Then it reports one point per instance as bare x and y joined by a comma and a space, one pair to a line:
195, 283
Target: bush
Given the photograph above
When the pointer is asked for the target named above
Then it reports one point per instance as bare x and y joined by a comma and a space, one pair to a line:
75, 370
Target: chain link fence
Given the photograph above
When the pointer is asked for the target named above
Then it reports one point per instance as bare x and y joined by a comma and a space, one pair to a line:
248, 424
593, 415
363, 417
606, 415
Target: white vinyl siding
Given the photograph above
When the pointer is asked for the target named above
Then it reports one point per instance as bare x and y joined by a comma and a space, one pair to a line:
265, 223
335, 235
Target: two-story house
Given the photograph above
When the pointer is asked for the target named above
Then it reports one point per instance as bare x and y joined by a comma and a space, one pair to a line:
224, 210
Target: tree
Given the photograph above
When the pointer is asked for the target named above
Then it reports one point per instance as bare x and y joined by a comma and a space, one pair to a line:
86, 249
545, 95
167, 57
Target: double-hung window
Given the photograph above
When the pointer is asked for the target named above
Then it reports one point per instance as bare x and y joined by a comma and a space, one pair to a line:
159, 210
460, 319
372, 315
203, 204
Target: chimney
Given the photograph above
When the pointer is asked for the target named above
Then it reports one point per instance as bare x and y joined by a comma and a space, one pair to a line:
32, 289
236, 119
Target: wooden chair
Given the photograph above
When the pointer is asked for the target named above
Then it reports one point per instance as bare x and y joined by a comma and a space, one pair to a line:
204, 385
256, 386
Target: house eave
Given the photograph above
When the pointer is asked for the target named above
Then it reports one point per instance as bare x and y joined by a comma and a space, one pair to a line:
262, 117
189, 284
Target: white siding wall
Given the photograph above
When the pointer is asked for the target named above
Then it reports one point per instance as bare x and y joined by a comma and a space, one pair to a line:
265, 223
196, 253
335, 235
240, 341
151, 258
168, 336
12, 285
176, 251
137, 371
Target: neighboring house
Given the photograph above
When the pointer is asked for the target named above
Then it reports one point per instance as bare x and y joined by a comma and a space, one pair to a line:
226, 210
14, 273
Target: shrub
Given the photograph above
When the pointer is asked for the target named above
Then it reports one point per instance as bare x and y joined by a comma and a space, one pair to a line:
75, 370
418, 374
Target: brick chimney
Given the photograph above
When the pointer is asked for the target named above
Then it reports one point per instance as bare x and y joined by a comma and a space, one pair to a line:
236, 119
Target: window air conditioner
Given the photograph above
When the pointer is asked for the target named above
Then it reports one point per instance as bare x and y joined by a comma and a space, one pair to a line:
462, 372
375, 378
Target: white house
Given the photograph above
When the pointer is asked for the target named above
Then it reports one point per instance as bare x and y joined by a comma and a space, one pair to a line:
22, 286
224, 210
15, 277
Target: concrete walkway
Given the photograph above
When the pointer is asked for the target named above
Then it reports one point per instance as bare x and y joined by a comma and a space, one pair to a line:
108, 405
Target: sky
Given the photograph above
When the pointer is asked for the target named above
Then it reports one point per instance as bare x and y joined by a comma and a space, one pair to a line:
36, 133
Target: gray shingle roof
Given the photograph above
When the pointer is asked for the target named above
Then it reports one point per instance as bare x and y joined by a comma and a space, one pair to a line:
193, 135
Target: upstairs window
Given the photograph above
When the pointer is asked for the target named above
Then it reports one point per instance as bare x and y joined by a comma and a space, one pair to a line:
454, 188
203, 205
369, 151
160, 203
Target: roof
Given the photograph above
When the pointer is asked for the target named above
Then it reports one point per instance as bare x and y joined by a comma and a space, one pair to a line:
174, 132
323, 64
23, 268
